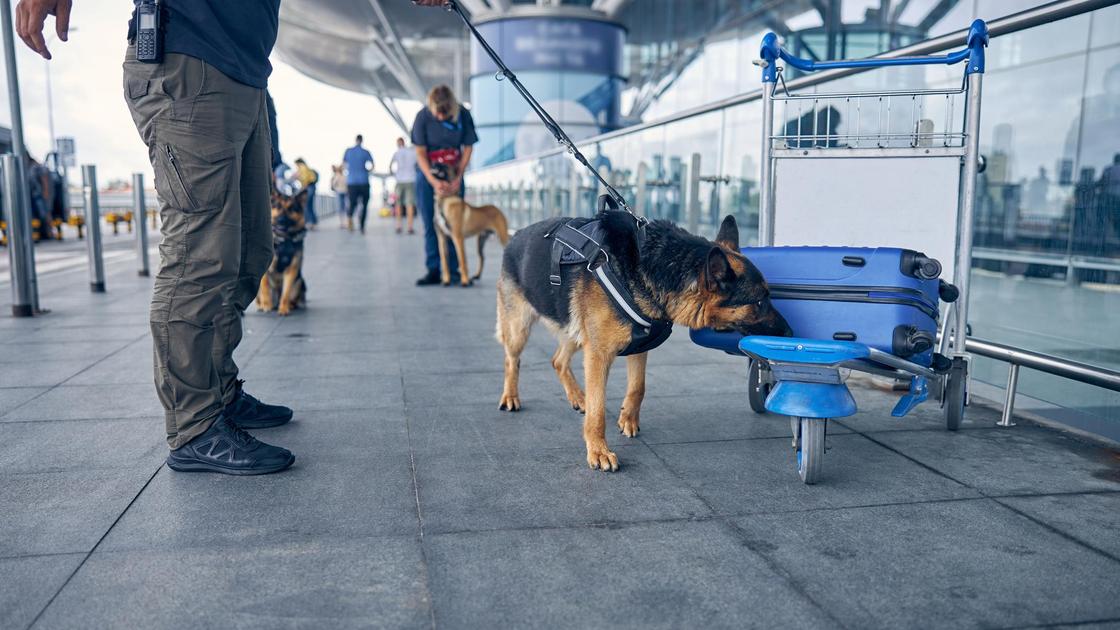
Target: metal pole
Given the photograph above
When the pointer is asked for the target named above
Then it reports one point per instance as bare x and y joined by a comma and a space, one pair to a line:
692, 193
140, 214
766, 174
93, 228
1009, 401
19, 237
963, 269
19, 206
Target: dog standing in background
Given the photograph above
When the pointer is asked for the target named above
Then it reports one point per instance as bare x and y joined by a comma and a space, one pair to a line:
458, 220
282, 286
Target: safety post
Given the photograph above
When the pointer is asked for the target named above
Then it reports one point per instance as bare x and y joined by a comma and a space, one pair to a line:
140, 212
93, 222
19, 237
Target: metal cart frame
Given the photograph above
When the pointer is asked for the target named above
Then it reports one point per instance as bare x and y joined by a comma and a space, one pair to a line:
803, 373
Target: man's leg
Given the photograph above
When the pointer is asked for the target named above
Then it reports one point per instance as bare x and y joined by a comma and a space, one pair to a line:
363, 194
196, 123
425, 202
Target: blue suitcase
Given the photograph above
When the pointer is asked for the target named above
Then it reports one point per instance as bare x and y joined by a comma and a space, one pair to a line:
884, 297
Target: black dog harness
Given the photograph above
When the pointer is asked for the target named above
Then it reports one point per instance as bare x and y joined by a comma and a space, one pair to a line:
579, 242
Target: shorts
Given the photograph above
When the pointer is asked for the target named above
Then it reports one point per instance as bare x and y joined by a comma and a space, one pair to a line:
406, 193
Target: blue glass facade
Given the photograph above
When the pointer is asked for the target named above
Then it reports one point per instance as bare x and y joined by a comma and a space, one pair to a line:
572, 66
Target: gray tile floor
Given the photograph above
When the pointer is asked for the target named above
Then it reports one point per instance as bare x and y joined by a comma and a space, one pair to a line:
414, 503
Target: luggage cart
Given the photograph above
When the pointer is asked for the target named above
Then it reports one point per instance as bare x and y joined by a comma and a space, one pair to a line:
800, 378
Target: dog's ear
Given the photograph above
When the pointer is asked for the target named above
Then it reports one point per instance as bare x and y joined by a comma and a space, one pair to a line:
718, 274
729, 233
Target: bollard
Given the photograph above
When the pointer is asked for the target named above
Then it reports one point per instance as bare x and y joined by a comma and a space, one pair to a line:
93, 220
1005, 419
19, 236
141, 225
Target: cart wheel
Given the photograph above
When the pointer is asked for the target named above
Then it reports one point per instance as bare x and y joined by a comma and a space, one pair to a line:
955, 394
758, 389
810, 449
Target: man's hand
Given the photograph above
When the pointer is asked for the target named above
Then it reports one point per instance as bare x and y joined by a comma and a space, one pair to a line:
31, 16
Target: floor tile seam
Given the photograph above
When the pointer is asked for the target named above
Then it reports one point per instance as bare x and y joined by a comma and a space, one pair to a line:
738, 532
419, 511
914, 460
1059, 532
82, 371
53, 554
90, 553
105, 419
1058, 624
862, 506
270, 543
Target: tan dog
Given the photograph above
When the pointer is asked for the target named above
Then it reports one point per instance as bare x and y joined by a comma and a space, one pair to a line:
459, 220
283, 282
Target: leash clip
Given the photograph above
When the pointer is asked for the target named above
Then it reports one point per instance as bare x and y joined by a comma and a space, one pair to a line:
554, 280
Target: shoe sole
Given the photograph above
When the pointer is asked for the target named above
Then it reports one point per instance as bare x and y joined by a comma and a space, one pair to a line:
225, 470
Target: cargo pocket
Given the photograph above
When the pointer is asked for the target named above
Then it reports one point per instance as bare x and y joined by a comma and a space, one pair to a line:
197, 179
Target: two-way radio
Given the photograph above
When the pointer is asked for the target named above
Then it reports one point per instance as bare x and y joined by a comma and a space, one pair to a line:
149, 35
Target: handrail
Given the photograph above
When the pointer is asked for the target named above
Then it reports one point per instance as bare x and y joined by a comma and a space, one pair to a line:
1018, 357
976, 40
1065, 368
1060, 9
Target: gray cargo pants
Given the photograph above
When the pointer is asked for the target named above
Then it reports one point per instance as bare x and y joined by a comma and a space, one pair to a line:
209, 143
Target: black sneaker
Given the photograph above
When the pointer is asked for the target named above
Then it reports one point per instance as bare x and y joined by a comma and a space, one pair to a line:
249, 413
432, 277
224, 448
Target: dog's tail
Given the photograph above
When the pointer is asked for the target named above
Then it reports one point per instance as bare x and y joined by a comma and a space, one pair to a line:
501, 226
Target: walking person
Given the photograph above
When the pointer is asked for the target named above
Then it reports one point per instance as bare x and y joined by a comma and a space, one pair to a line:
403, 168
212, 160
308, 178
338, 185
443, 133
359, 164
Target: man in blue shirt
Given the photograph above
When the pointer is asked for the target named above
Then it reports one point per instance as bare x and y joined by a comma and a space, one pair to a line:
359, 164
203, 115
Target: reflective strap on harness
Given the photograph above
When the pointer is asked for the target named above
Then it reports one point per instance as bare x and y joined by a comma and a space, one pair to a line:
619, 295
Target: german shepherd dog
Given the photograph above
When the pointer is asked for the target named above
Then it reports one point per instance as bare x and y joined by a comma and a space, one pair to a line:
458, 220
283, 283
672, 275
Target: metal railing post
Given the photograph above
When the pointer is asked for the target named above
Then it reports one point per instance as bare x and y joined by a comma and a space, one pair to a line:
93, 228
766, 170
692, 193
1009, 401
19, 237
141, 224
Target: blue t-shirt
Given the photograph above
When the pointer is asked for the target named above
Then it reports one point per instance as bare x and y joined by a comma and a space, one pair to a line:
234, 36
356, 158
429, 131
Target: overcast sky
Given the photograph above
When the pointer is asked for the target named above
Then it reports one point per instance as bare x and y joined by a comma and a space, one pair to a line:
315, 121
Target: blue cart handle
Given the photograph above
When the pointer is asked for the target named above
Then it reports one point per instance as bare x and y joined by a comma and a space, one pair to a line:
977, 39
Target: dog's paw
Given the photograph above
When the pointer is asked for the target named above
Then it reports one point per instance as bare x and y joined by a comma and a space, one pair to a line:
509, 402
468, 283
627, 423
284, 310
577, 401
600, 458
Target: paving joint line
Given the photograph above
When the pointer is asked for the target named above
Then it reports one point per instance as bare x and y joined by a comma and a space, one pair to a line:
739, 533
94, 548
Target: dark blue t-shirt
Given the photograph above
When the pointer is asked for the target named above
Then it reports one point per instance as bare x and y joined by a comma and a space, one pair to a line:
234, 36
428, 131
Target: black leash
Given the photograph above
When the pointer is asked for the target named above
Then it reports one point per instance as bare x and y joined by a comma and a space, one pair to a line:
549, 123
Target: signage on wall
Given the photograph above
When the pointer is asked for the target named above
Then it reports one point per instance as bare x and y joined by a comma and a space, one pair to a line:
570, 44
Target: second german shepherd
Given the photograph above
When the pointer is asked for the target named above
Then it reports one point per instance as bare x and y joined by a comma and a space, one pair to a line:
672, 275
282, 286
458, 220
